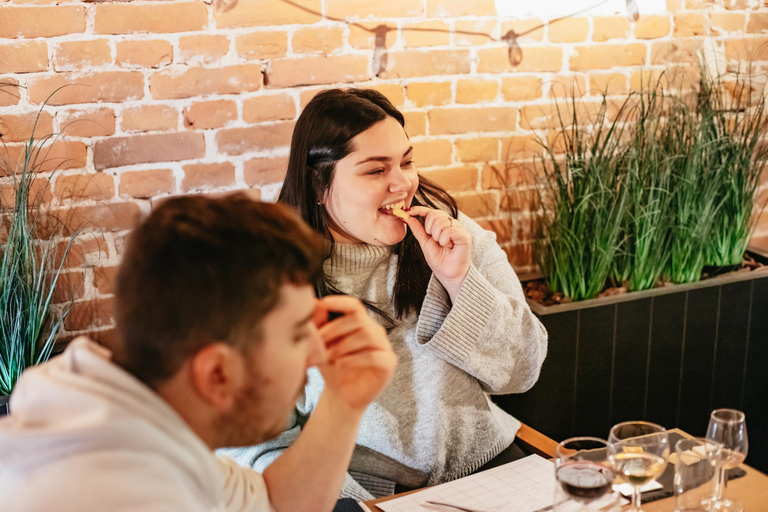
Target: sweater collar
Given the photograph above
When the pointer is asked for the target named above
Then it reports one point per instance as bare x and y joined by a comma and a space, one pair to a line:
352, 257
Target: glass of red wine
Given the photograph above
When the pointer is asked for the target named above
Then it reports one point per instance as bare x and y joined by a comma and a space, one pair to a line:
583, 470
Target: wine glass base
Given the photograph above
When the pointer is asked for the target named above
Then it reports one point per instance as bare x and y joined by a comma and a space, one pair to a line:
727, 505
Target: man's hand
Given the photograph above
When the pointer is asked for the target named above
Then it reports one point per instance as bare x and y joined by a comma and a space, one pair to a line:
358, 364
359, 358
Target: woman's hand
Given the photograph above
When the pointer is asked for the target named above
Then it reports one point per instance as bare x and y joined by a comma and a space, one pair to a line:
446, 244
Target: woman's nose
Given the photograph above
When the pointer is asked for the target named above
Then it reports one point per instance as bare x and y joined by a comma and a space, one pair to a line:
401, 181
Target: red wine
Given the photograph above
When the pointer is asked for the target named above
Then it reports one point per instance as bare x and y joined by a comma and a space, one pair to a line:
584, 480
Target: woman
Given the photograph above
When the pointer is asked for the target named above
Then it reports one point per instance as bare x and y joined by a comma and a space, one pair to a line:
454, 308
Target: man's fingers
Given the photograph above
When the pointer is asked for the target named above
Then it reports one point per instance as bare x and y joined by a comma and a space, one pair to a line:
319, 315
359, 341
368, 359
340, 304
340, 328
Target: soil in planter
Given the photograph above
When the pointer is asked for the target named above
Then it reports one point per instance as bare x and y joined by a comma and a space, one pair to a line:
537, 289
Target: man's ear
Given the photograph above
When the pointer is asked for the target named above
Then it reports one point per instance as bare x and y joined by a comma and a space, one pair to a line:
218, 374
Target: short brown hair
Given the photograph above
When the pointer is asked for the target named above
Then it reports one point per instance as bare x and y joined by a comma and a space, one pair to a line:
202, 270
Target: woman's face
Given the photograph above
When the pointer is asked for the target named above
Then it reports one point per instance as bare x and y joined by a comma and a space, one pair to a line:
379, 172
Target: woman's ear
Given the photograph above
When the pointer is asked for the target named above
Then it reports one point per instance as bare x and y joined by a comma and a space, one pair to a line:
218, 375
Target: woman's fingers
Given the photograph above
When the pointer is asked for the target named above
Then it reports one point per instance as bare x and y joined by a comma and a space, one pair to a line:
446, 238
418, 230
440, 226
435, 222
419, 211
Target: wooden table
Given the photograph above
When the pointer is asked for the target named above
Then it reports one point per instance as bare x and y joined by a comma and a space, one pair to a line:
751, 490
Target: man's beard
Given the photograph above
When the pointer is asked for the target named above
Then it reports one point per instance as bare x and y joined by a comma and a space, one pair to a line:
249, 422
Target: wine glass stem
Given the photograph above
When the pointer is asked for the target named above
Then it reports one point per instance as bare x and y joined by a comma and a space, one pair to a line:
636, 499
722, 483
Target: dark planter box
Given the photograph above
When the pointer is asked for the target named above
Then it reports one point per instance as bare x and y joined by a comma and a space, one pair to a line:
4, 405
668, 355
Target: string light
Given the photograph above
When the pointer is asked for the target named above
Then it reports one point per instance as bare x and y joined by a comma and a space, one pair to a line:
633, 13
379, 64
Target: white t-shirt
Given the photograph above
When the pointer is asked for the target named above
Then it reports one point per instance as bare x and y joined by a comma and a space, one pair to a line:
86, 436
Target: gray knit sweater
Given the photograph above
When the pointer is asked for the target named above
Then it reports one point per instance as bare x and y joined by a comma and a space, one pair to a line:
435, 421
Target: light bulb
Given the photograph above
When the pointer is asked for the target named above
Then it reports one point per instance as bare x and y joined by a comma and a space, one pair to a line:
633, 13
224, 5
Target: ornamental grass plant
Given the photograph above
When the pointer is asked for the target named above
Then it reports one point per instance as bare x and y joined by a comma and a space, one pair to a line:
31, 264
583, 199
694, 202
654, 191
734, 118
645, 241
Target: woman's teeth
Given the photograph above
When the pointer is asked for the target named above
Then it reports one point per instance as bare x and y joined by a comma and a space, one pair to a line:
399, 205
396, 209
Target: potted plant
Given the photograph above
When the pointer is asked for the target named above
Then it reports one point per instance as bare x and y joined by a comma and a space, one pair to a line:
30, 266
636, 199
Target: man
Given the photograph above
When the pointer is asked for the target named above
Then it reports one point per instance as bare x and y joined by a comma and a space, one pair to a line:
218, 323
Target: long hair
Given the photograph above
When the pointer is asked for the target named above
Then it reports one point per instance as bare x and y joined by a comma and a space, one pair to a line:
323, 136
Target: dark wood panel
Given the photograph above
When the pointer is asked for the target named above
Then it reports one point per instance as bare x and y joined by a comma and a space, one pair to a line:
630, 361
593, 371
663, 379
698, 360
731, 349
755, 401
555, 407
670, 359
548, 406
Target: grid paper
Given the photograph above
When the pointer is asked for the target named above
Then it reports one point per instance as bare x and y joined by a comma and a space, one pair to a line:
525, 485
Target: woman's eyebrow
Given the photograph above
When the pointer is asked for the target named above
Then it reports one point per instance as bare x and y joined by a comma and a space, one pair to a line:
374, 159
382, 158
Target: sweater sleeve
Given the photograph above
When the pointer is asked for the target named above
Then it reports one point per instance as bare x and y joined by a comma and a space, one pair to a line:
489, 332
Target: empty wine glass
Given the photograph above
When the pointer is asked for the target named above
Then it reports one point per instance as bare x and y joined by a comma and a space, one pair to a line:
638, 451
728, 427
582, 469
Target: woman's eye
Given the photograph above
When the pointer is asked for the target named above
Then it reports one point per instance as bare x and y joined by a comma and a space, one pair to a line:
408, 163
375, 171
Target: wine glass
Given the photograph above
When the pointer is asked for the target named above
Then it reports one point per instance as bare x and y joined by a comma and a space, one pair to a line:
638, 451
582, 469
728, 427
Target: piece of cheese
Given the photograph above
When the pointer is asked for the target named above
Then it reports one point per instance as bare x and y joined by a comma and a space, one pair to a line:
398, 212
688, 458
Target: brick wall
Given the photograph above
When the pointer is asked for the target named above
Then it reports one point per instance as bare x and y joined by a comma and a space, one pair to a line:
168, 98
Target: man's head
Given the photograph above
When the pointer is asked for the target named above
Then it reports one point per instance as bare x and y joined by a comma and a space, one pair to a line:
214, 307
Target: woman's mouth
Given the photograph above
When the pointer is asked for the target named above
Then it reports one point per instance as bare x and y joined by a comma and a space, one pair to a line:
388, 209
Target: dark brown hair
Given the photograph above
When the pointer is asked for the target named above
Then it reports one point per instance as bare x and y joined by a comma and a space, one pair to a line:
323, 136
202, 270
